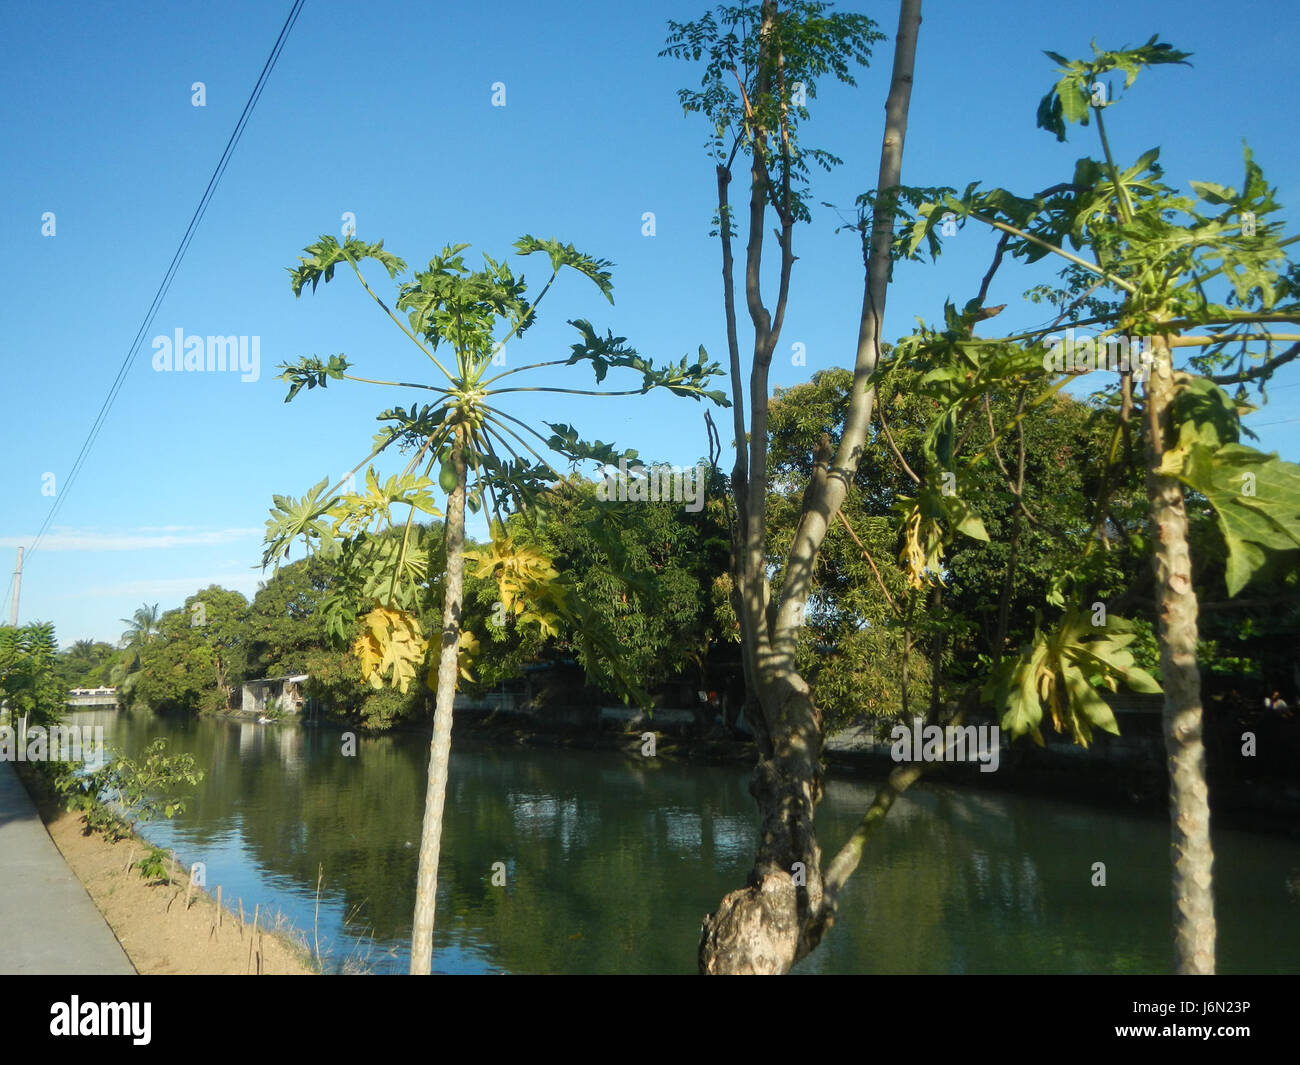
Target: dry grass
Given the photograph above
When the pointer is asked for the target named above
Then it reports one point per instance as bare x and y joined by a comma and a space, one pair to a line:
166, 926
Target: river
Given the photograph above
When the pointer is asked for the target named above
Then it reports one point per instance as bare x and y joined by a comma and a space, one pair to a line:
610, 862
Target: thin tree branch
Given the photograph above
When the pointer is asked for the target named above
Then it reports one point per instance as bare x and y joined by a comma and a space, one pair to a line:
870, 561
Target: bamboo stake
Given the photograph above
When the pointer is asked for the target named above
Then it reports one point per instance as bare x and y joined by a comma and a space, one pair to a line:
213, 930
252, 939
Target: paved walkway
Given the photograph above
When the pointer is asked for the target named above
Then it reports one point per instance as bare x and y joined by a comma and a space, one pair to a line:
48, 925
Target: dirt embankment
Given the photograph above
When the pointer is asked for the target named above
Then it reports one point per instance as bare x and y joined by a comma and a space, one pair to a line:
165, 926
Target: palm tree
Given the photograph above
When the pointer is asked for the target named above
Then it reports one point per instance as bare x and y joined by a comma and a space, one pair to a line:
143, 627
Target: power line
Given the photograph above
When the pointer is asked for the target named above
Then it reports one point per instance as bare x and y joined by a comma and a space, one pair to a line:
4, 603
172, 270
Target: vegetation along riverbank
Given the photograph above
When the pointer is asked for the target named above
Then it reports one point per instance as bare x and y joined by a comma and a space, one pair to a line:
165, 924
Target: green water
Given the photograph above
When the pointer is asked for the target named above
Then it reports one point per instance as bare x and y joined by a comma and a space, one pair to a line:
611, 862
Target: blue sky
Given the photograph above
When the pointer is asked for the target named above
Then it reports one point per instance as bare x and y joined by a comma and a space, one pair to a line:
384, 110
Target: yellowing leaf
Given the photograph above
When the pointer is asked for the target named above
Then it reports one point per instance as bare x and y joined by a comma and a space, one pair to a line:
526, 579
391, 648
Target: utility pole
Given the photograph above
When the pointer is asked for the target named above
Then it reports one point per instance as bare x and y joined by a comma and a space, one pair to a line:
18, 583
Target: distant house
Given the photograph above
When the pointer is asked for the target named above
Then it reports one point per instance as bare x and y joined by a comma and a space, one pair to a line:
92, 697
272, 694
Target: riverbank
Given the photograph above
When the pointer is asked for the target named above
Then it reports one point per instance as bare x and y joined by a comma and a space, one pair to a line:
1110, 774
162, 931
1121, 773
558, 859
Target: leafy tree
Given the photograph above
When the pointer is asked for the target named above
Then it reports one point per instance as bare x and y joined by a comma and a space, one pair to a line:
645, 572
143, 627
1164, 266
475, 446
119, 796
196, 661
287, 619
761, 64
875, 645
29, 681
85, 664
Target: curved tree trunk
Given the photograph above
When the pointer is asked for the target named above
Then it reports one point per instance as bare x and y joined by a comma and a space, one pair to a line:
426, 888
1189, 802
778, 917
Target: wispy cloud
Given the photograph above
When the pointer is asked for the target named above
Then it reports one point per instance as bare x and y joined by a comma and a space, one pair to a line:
143, 539
167, 589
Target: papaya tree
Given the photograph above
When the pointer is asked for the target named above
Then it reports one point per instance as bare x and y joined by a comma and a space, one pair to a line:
1157, 275
466, 443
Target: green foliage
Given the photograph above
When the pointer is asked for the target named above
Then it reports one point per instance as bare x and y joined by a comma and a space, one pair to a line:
638, 578
758, 104
292, 518
29, 678
381, 565
852, 650
86, 664
562, 255
286, 619
327, 253
310, 372
682, 380
127, 792
1256, 498
1072, 96
142, 627
902, 202
861, 675
1061, 670
199, 655
154, 866
1151, 260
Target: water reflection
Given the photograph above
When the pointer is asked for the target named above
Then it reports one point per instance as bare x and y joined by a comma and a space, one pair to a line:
611, 862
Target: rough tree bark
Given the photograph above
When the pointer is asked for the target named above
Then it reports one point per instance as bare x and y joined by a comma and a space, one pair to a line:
426, 889
785, 908
1189, 802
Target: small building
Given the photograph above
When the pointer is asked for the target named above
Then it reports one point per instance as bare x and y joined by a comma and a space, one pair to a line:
83, 697
273, 694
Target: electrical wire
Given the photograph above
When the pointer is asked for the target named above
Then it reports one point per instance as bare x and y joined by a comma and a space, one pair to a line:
170, 275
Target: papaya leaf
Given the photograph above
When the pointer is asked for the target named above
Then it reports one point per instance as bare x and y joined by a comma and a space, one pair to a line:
1256, 499
1060, 670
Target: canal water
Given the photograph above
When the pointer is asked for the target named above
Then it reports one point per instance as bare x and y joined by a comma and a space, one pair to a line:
610, 862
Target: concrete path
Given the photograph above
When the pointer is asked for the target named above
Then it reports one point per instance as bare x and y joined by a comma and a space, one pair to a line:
48, 925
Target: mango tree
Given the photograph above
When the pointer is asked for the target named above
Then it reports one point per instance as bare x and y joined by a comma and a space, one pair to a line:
468, 444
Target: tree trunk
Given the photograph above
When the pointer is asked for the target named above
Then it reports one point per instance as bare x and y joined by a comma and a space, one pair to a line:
426, 887
1189, 804
777, 919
